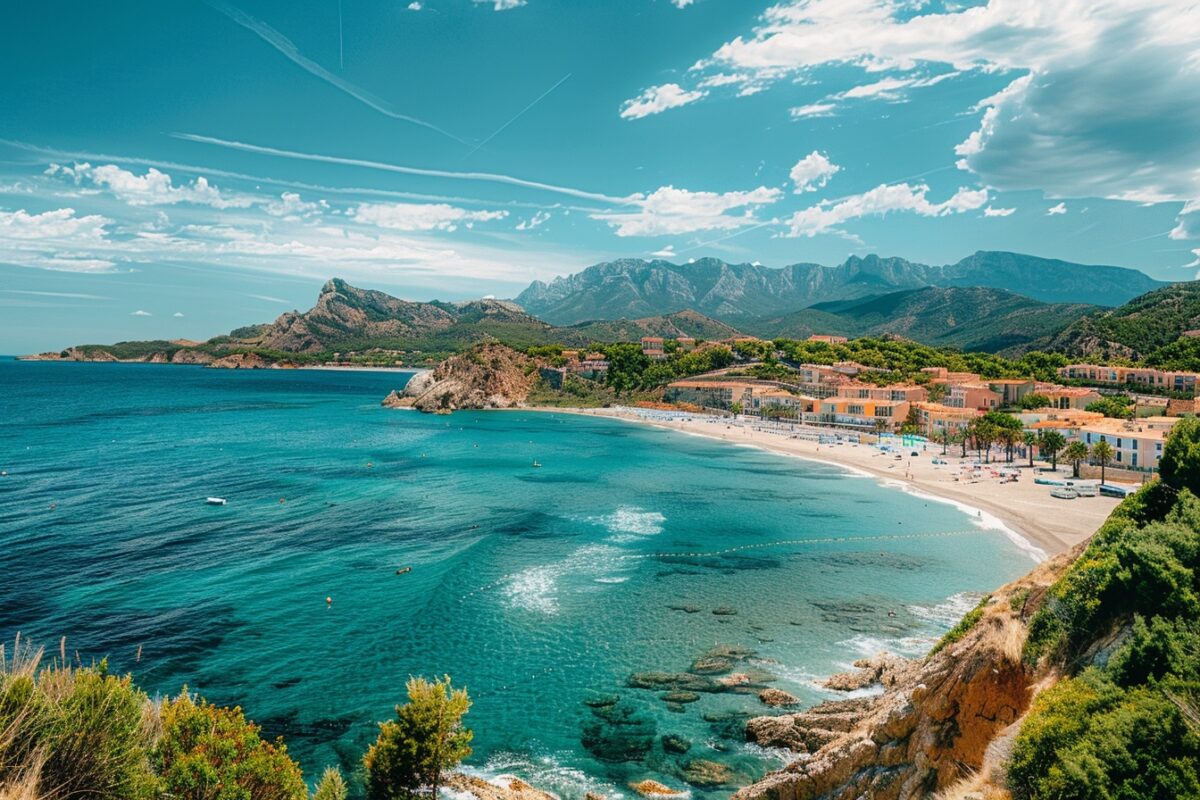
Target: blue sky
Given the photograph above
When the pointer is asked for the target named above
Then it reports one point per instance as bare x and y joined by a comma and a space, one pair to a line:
178, 169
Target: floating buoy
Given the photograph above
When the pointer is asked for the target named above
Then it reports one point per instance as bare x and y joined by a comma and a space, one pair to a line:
328, 601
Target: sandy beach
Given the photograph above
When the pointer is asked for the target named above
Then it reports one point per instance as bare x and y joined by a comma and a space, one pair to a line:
1026, 509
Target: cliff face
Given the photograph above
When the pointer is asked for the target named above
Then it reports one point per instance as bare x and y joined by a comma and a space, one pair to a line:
940, 721
488, 376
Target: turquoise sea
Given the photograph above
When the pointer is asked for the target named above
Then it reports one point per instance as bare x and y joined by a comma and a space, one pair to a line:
542, 590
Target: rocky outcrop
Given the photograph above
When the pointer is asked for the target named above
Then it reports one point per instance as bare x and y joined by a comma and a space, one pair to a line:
503, 787
245, 361
487, 376
936, 722
777, 697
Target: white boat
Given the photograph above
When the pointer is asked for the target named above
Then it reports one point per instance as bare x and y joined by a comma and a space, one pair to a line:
1065, 493
215, 501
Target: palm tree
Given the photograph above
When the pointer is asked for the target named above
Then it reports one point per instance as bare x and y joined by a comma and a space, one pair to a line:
1103, 452
1031, 440
1076, 452
1009, 437
1051, 445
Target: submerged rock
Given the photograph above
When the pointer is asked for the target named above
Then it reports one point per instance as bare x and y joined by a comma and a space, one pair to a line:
618, 733
679, 696
673, 743
704, 773
649, 788
777, 697
602, 701
686, 608
681, 681
725, 611
711, 665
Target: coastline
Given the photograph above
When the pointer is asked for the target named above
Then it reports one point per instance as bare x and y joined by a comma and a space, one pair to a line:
1024, 511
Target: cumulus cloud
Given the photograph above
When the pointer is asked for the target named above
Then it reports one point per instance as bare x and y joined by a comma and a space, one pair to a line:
812, 172
140, 313
1052, 211
825, 217
58, 224
291, 206
420, 216
666, 252
177, 314
657, 99
152, 189
998, 212
537, 219
670, 211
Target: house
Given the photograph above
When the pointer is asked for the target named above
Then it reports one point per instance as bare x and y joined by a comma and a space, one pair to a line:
686, 343
941, 375
764, 398
852, 412
652, 348
1012, 390
827, 338
591, 365
1137, 444
973, 395
818, 380
1067, 396
935, 419
1133, 377
863, 391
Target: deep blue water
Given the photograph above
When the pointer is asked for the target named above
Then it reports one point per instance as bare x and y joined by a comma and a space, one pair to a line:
537, 589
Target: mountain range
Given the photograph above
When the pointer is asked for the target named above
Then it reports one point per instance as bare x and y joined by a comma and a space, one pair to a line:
737, 293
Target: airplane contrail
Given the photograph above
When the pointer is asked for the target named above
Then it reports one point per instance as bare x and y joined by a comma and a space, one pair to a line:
285, 46
489, 177
500, 130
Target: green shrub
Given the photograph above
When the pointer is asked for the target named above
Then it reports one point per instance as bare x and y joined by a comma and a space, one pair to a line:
80, 733
212, 753
1180, 462
332, 786
1089, 738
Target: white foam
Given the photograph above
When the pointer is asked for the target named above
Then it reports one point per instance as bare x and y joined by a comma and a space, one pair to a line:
544, 772
947, 613
537, 588
633, 520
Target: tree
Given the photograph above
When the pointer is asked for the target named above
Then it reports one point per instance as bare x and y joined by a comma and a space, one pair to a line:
1009, 438
426, 739
1180, 462
1034, 400
1103, 452
1076, 453
332, 786
1052, 443
1031, 441
1116, 406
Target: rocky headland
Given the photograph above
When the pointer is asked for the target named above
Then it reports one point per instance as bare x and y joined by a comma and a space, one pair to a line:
487, 376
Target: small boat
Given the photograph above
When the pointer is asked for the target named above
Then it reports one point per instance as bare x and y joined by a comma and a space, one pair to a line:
537, 463
215, 501
1065, 493
404, 570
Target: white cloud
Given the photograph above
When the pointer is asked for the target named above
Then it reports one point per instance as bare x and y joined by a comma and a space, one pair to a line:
153, 188
1100, 102
666, 252
140, 313
290, 206
1061, 208
682, 3
825, 217
998, 212
537, 219
813, 110
61, 223
415, 6
1195, 263
657, 99
812, 172
724, 79
671, 211
420, 216
177, 314
501, 5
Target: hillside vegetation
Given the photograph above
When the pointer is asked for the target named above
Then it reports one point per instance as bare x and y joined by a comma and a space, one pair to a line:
1139, 329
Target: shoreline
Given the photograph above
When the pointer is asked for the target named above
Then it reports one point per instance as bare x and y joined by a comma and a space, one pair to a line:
1023, 511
